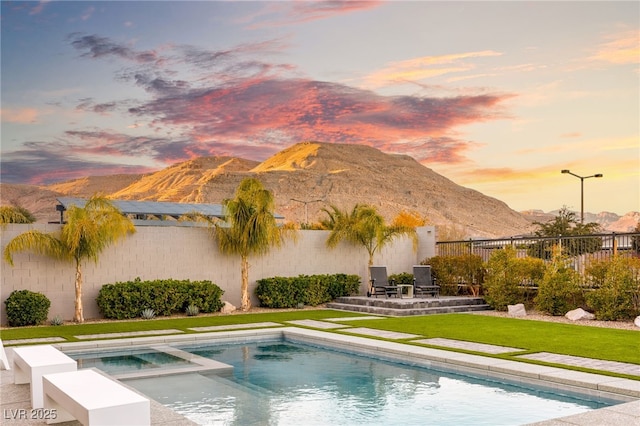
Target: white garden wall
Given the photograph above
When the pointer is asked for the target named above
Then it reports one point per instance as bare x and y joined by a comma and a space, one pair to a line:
158, 252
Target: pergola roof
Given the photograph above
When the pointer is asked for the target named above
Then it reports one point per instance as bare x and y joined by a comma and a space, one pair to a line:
155, 208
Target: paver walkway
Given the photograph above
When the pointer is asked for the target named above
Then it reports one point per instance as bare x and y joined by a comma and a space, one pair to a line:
128, 334
236, 326
380, 333
576, 361
36, 340
317, 324
470, 346
368, 317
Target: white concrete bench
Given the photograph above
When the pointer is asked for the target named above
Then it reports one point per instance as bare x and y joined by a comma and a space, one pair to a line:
4, 362
30, 363
93, 399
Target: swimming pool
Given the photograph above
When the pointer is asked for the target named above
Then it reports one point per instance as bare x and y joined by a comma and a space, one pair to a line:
276, 381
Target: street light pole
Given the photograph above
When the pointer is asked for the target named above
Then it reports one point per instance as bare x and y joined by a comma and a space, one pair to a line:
582, 178
306, 215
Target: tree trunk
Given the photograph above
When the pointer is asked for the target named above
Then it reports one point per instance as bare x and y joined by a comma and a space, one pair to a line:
246, 300
78, 315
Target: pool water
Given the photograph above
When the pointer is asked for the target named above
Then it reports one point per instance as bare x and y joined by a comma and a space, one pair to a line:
128, 360
285, 383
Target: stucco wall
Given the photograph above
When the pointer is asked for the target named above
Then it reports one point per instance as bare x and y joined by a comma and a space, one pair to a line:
190, 253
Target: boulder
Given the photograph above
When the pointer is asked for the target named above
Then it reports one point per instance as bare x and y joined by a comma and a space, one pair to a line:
579, 314
637, 321
227, 308
516, 310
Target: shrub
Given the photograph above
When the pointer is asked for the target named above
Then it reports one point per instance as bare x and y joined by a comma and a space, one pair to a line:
25, 307
401, 278
619, 294
57, 320
125, 300
508, 278
192, 310
449, 271
444, 271
559, 290
341, 285
312, 290
280, 292
147, 314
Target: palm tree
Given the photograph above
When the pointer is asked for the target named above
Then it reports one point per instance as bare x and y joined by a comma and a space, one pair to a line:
364, 226
15, 214
249, 227
88, 231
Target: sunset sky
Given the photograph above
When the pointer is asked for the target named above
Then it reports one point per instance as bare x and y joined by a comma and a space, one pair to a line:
496, 96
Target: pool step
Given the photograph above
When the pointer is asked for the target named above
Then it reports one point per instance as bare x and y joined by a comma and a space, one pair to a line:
407, 307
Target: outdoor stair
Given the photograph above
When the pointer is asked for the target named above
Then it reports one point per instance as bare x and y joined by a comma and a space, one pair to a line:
409, 306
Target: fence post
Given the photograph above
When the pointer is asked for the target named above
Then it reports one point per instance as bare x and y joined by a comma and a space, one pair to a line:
615, 244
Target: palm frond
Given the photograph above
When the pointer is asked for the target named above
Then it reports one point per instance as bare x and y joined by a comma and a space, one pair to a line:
90, 229
39, 243
364, 226
15, 214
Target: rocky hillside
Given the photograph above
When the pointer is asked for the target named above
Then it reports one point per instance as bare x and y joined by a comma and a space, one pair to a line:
334, 174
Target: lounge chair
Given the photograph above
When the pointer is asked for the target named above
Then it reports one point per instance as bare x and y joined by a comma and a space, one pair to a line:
423, 282
379, 283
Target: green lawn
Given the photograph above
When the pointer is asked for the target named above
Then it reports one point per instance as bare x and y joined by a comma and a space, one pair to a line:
531, 336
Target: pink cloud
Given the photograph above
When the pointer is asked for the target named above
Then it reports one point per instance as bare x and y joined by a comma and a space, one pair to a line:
240, 106
620, 48
298, 12
22, 115
310, 110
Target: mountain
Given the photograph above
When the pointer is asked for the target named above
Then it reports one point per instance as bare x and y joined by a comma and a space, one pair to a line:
38, 200
626, 223
182, 182
299, 177
608, 221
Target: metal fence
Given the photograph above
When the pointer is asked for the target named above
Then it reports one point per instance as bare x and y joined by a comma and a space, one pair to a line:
581, 249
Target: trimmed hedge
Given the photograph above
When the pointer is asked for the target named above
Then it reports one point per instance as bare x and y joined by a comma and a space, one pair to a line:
124, 300
25, 307
312, 290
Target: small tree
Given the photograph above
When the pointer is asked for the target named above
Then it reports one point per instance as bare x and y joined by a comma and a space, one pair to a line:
364, 226
88, 231
249, 227
565, 225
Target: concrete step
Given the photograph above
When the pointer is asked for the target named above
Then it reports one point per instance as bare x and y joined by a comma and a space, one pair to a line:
406, 310
413, 303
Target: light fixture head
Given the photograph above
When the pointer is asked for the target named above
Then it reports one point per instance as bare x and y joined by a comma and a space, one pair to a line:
565, 171
598, 175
